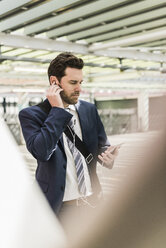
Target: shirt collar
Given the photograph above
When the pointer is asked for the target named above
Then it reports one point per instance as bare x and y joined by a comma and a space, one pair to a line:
71, 107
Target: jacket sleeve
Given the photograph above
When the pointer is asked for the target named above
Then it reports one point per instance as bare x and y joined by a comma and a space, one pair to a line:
103, 141
42, 134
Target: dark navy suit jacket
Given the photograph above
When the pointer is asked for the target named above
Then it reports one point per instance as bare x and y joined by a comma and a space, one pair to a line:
42, 127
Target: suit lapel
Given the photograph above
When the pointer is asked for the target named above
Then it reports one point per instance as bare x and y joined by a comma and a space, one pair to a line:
81, 110
83, 120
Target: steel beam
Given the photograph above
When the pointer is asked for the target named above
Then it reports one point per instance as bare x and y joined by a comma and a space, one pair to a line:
131, 54
19, 41
113, 66
41, 44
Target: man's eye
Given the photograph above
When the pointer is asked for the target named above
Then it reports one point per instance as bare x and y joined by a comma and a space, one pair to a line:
74, 83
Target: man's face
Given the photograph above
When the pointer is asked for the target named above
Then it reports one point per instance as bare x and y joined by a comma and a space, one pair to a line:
71, 85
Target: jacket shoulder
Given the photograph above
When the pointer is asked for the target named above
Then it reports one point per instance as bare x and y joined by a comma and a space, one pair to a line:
32, 110
86, 104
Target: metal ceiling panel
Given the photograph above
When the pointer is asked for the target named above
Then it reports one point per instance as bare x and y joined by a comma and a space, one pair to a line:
121, 12
7, 5
37, 53
133, 39
50, 55
128, 31
119, 22
33, 14
79, 12
136, 19
157, 44
17, 52
5, 49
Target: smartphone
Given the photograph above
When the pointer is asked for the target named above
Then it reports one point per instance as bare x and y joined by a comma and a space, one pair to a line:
118, 145
54, 82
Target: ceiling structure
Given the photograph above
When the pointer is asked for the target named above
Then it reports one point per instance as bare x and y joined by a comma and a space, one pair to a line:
111, 36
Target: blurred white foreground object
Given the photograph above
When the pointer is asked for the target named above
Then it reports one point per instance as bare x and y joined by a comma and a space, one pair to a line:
26, 219
135, 215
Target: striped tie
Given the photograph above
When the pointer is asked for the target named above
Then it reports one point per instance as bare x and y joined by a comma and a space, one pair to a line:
78, 163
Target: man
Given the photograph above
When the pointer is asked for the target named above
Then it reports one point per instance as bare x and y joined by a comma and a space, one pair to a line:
63, 182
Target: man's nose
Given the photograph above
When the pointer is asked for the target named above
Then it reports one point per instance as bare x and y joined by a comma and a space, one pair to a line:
78, 88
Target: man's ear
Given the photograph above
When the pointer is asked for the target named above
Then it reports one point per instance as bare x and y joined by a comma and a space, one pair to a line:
54, 80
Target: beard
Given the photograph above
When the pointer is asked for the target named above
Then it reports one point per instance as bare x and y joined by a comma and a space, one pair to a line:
71, 98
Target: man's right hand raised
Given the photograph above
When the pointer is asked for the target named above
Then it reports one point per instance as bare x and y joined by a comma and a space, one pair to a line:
53, 96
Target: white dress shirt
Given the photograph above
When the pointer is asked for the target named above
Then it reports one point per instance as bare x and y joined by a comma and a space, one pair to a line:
71, 188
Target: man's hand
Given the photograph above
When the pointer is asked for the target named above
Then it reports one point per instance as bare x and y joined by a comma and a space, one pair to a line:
109, 155
53, 95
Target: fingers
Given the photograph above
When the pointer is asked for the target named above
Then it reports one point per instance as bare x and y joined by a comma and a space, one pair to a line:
53, 95
106, 161
109, 155
106, 156
54, 89
113, 149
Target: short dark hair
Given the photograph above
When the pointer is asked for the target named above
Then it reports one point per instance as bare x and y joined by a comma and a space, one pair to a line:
58, 65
